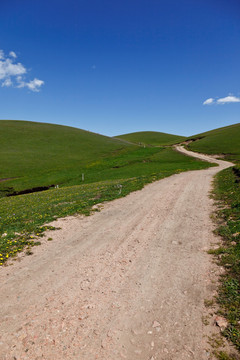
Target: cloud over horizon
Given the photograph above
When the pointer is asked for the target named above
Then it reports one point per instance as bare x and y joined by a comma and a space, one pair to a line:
221, 101
12, 73
208, 101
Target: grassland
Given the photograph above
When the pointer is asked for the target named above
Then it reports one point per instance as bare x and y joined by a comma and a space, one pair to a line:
38, 154
225, 140
65, 154
153, 138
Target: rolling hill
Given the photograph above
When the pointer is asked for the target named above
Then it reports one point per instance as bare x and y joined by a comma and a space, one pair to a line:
48, 153
225, 140
153, 138
38, 155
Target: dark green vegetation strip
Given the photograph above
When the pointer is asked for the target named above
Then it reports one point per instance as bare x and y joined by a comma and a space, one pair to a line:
151, 138
227, 192
23, 217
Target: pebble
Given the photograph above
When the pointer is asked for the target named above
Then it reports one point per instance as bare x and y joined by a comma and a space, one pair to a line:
104, 343
155, 324
221, 322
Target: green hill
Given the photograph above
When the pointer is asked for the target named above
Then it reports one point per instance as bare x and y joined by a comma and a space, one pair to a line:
38, 155
34, 156
151, 138
225, 140
41, 154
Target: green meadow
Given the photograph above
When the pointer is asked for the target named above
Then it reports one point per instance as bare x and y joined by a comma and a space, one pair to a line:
87, 168
38, 154
154, 138
224, 141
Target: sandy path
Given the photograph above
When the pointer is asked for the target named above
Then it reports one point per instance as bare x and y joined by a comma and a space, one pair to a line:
128, 282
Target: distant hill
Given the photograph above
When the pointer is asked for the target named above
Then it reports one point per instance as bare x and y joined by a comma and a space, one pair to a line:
225, 140
34, 155
151, 138
39, 151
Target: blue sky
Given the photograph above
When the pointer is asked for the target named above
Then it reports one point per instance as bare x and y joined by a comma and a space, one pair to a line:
115, 67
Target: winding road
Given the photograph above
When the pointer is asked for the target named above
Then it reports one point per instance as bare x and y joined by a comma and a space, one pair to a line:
128, 282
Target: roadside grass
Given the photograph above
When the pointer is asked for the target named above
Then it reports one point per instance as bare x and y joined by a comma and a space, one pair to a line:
227, 195
23, 217
222, 355
222, 141
225, 141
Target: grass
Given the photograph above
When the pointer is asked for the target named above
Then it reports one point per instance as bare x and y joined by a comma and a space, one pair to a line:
227, 193
63, 154
38, 154
222, 355
153, 138
220, 141
23, 217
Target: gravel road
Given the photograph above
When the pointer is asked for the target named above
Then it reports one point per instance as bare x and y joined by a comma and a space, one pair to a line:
128, 282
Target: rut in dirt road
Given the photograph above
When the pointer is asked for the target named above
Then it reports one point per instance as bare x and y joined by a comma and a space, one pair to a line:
128, 282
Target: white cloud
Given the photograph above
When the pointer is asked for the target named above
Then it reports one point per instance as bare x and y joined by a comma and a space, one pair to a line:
8, 68
14, 74
7, 83
228, 99
35, 84
20, 82
208, 101
13, 54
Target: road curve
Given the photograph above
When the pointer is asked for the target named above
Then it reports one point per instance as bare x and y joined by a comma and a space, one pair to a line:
128, 282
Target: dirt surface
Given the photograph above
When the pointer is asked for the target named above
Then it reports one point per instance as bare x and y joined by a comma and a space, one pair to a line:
128, 282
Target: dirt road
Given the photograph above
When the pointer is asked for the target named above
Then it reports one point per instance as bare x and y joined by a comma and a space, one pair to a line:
128, 282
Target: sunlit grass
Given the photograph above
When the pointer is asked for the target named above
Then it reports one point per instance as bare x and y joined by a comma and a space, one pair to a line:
22, 217
224, 140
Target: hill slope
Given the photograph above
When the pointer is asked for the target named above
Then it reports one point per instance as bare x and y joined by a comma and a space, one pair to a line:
151, 138
30, 149
225, 140
37, 155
